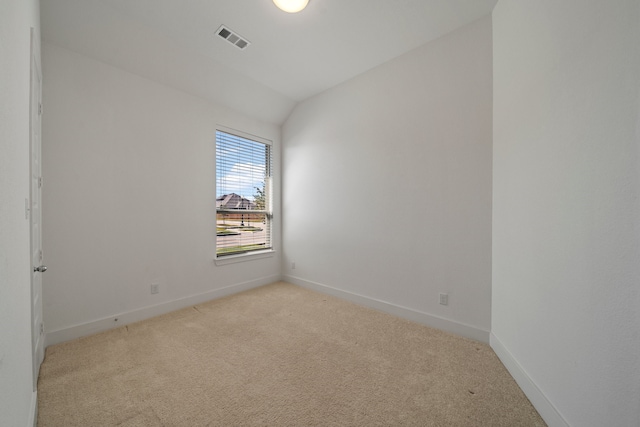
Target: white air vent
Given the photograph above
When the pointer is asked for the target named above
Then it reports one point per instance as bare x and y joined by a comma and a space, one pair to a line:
232, 37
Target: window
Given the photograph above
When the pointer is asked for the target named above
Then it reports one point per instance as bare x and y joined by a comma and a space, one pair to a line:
243, 194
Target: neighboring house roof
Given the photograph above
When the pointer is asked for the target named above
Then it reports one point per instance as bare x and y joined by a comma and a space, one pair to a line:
234, 201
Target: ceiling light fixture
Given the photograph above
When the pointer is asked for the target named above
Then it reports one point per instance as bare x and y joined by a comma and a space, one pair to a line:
291, 6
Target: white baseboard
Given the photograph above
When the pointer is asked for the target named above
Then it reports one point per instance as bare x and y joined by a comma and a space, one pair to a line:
100, 325
397, 310
545, 408
33, 410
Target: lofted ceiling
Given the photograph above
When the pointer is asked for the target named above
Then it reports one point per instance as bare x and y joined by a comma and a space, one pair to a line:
291, 56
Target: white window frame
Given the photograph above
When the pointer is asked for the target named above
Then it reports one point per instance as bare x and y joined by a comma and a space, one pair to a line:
222, 259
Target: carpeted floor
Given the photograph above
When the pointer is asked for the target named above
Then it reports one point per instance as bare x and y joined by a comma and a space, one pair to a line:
279, 355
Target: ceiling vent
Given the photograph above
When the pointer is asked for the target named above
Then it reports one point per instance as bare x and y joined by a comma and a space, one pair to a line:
232, 37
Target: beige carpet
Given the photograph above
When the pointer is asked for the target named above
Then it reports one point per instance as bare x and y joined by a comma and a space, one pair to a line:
279, 355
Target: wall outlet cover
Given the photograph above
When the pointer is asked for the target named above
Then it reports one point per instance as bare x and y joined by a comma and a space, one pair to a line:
444, 299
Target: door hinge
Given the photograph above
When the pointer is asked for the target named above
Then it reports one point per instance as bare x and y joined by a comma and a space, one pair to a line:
40, 108
27, 208
40, 182
41, 328
40, 255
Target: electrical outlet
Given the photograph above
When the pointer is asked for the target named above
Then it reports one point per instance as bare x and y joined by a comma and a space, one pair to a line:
444, 299
155, 288
293, 265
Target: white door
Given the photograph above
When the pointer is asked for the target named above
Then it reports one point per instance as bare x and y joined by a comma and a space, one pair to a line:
35, 196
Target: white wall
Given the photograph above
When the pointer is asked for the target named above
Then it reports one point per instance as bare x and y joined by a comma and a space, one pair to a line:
566, 218
387, 185
17, 399
129, 197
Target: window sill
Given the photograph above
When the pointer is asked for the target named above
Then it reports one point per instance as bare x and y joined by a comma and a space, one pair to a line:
233, 259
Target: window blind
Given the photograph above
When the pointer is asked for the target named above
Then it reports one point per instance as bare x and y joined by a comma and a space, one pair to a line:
243, 194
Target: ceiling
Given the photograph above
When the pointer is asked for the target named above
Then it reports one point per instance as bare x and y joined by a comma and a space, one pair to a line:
291, 56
